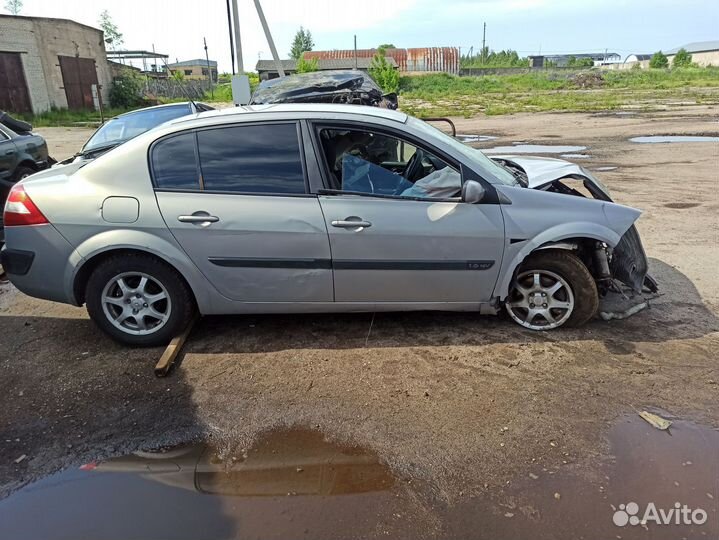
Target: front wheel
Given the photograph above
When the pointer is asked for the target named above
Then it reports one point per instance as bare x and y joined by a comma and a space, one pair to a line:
139, 300
552, 289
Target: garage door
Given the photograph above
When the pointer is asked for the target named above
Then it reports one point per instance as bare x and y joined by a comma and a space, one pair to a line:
14, 96
78, 76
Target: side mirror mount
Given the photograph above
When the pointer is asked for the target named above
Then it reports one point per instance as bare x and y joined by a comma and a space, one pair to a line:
472, 192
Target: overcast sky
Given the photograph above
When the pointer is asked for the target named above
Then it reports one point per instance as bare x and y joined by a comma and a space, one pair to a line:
529, 26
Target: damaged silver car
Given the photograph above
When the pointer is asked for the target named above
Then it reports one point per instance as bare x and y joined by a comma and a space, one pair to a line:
308, 208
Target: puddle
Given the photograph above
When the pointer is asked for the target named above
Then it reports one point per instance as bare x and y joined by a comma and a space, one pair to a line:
474, 138
607, 168
294, 483
674, 139
576, 156
648, 466
289, 484
534, 149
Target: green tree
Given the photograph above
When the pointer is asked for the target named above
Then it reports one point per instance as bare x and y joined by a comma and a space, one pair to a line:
301, 43
178, 75
384, 74
682, 58
306, 66
13, 6
386, 46
113, 36
659, 60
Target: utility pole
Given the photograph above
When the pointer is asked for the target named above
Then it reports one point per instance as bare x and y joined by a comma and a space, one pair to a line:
355, 51
229, 29
484, 42
270, 41
209, 68
238, 40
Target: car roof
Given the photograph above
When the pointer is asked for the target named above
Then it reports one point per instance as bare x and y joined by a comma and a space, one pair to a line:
294, 108
154, 107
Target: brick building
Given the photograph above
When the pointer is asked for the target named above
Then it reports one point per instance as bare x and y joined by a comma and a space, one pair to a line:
47, 63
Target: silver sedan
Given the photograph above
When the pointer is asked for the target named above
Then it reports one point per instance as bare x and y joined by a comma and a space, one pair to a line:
315, 208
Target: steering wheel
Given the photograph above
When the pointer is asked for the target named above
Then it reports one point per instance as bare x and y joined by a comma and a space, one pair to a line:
413, 170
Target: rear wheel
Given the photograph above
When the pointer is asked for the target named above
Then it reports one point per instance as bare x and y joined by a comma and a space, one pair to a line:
138, 300
552, 289
23, 172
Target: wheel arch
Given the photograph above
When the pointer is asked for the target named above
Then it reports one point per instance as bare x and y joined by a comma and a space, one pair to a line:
83, 272
564, 237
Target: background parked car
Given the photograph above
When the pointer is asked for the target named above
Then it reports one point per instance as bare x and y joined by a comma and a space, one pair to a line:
21, 154
124, 127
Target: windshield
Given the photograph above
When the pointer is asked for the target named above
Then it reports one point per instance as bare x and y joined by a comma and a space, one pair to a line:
125, 127
486, 167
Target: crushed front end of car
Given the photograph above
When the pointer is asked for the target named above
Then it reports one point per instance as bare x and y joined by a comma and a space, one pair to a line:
626, 262
337, 86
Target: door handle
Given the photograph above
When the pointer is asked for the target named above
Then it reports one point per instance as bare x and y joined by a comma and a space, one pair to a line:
199, 217
351, 224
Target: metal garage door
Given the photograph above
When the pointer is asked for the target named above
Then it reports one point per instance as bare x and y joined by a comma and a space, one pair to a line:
14, 96
78, 76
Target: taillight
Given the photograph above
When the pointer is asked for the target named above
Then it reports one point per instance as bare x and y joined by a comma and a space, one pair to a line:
20, 210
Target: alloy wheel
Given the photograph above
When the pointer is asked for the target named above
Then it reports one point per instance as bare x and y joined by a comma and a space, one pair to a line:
540, 300
136, 303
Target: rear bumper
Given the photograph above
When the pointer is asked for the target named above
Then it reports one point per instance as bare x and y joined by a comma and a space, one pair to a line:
38, 260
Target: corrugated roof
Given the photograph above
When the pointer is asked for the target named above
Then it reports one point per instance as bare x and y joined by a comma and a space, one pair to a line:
417, 59
697, 46
196, 62
322, 64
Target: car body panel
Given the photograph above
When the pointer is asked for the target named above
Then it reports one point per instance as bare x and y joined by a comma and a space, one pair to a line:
414, 251
262, 249
535, 218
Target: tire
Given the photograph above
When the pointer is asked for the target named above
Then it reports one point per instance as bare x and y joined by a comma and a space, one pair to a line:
23, 172
564, 282
137, 313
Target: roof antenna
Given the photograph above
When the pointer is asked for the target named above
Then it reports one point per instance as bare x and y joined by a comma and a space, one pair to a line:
182, 88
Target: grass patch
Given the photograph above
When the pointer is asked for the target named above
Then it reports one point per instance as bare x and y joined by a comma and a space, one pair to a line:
548, 90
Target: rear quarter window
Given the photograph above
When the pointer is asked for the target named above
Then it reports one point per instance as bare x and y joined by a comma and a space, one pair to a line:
252, 159
174, 163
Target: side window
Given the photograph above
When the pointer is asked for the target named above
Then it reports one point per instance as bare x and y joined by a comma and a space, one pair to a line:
174, 165
251, 159
361, 161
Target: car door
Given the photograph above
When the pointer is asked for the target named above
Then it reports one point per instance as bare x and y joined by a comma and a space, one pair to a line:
235, 199
8, 156
393, 242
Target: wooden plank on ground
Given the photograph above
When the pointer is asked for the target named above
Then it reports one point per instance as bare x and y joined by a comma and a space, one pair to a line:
173, 349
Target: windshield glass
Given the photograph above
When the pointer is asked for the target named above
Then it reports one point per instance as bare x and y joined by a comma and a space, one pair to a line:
127, 126
489, 170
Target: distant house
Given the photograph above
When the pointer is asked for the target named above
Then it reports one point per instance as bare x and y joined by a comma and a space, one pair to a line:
267, 69
599, 58
47, 63
195, 69
642, 60
704, 53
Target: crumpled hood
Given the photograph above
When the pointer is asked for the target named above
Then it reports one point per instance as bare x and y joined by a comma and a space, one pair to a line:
541, 171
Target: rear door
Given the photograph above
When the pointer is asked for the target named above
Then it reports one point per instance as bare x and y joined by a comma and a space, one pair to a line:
235, 198
398, 230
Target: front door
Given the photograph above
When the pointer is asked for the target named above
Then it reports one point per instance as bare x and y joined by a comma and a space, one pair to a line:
398, 230
235, 199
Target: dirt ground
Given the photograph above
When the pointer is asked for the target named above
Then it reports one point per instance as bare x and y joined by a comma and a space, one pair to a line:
460, 404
